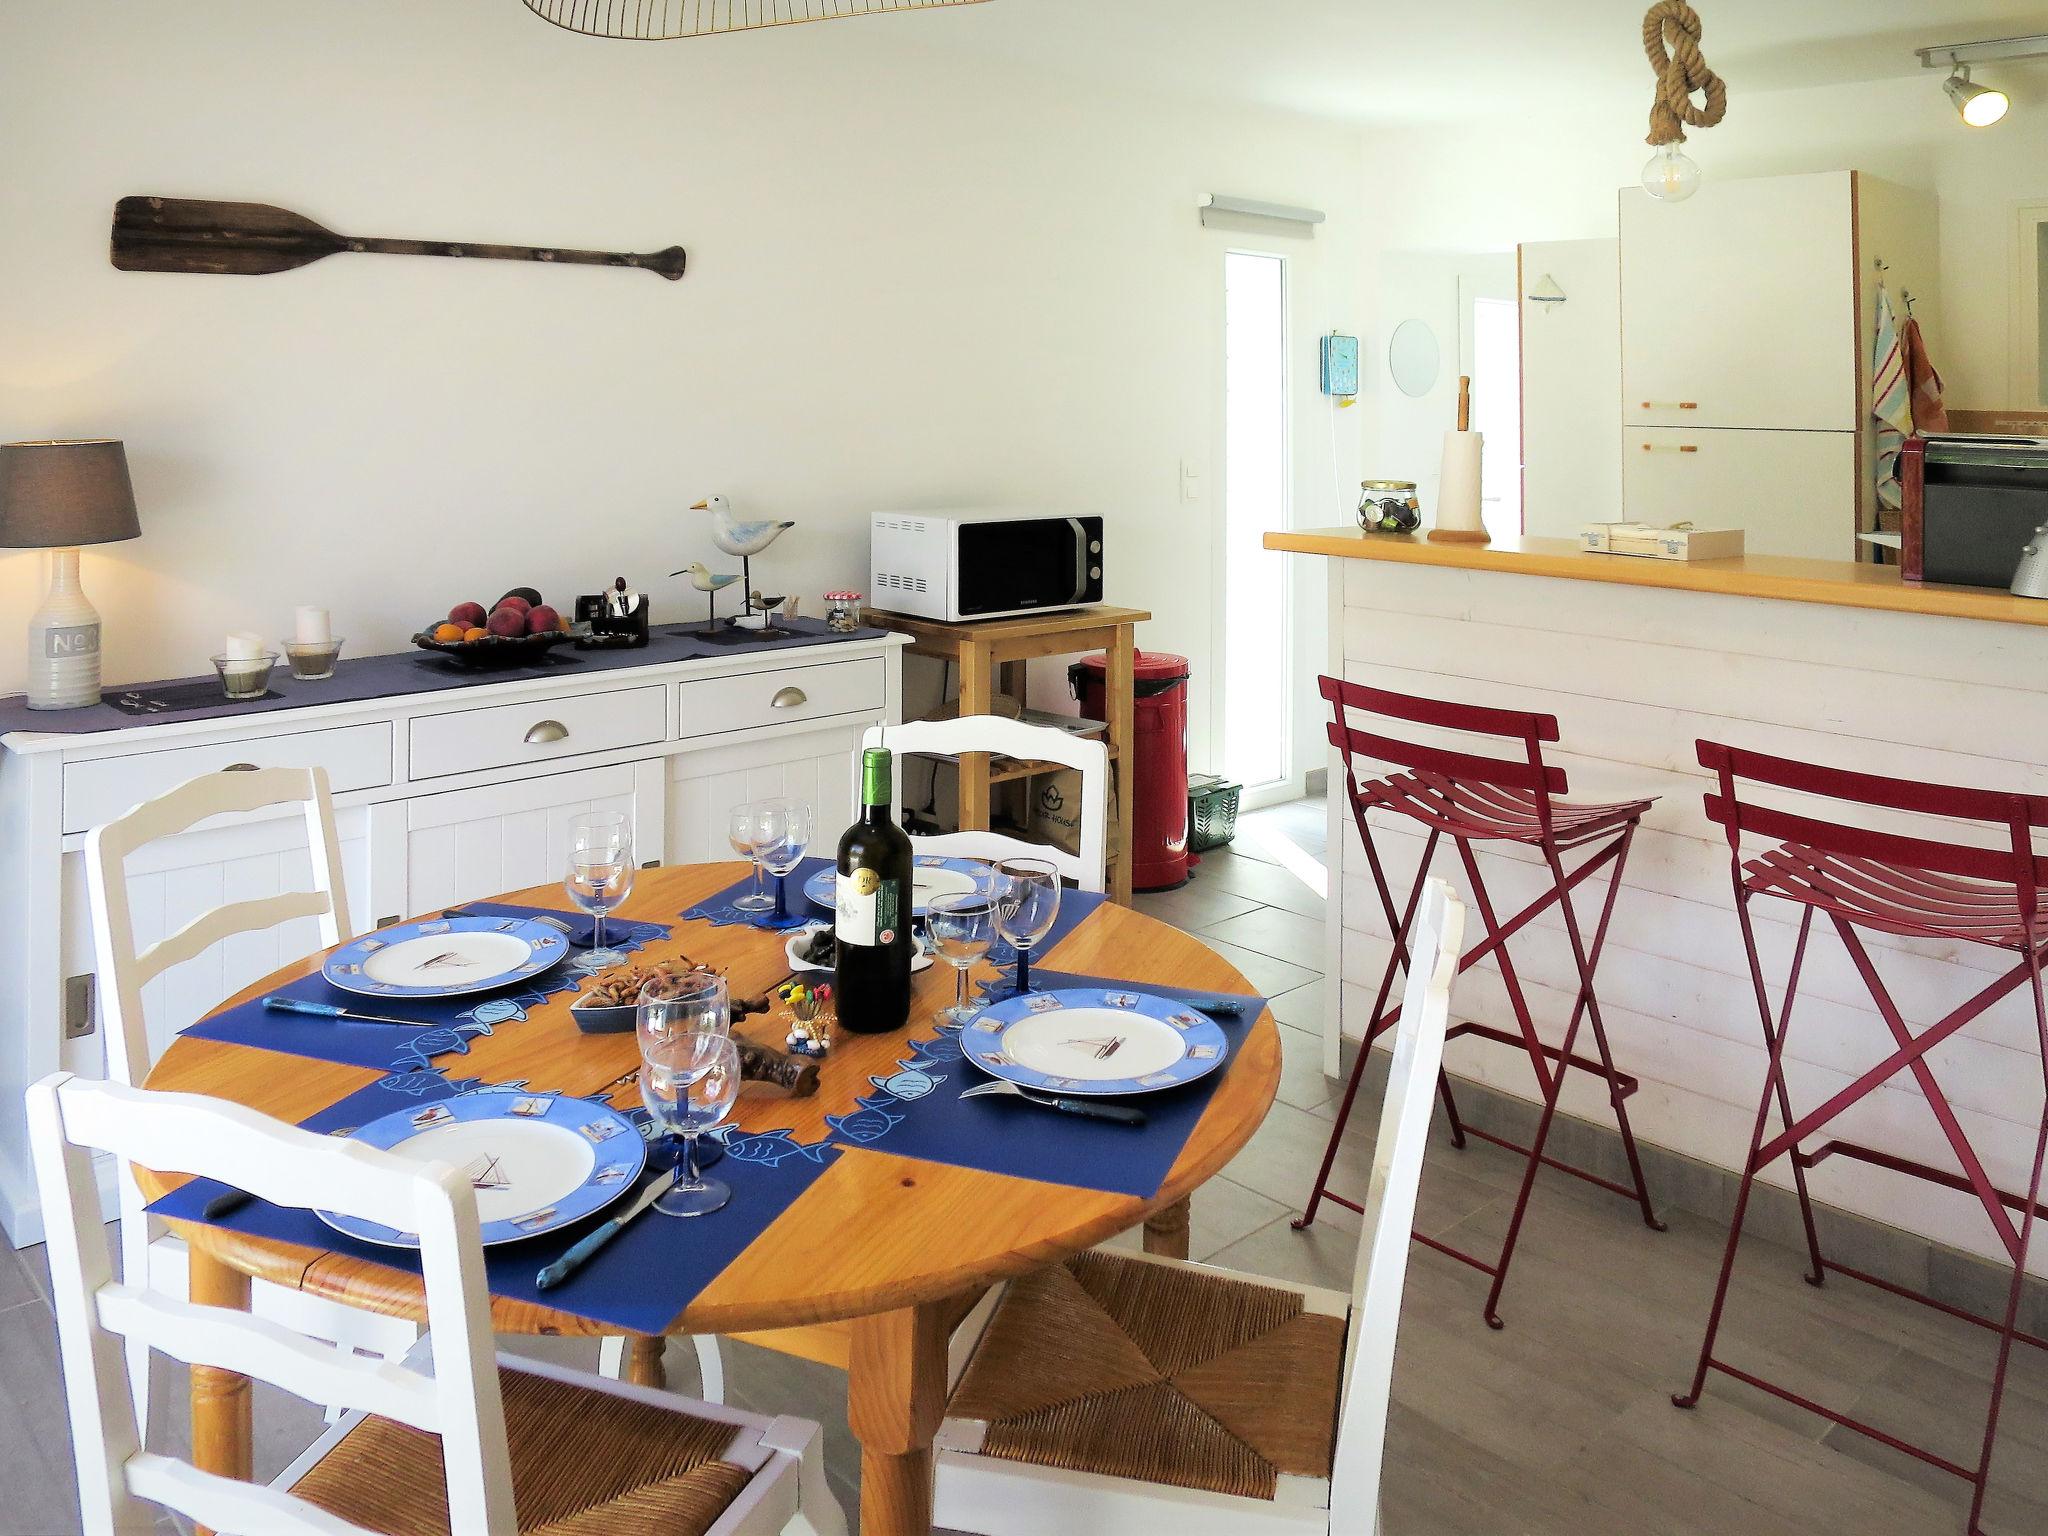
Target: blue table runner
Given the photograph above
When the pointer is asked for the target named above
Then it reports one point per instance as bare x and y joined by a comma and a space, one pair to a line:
447, 1025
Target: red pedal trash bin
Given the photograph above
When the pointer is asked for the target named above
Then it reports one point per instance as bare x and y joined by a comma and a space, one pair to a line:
1157, 780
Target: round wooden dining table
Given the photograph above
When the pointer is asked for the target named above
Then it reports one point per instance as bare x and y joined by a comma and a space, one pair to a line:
868, 1270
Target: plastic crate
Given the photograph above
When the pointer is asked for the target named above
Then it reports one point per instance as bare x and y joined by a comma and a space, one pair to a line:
1212, 811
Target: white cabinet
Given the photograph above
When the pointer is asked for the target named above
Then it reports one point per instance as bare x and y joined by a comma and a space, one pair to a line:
1792, 493
472, 843
441, 797
1739, 305
1746, 320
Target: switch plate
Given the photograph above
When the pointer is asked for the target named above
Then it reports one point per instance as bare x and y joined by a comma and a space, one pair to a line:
81, 1006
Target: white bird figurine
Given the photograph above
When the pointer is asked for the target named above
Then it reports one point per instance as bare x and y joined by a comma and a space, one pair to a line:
710, 585
737, 537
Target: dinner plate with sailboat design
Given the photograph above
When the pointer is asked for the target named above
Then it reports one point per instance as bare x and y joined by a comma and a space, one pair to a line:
1094, 1040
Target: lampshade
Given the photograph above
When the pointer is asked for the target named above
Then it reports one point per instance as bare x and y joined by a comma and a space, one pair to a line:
59, 495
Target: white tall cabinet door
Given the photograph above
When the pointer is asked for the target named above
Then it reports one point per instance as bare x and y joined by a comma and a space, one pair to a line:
1792, 493
470, 844
180, 878
817, 767
1739, 305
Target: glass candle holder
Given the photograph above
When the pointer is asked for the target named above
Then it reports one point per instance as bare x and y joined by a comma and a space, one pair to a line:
245, 677
312, 660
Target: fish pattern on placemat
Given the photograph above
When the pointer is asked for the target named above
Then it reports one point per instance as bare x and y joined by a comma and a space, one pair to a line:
447, 1025
719, 910
916, 1111
642, 1280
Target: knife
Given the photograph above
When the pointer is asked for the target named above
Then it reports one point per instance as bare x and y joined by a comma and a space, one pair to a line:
278, 1003
559, 1271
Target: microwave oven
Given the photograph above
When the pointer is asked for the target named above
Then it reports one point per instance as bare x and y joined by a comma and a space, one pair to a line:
956, 566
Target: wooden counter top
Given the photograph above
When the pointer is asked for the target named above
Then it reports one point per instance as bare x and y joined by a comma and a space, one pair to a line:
1842, 583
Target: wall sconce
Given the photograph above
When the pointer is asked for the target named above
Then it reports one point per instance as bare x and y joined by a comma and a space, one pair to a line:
1546, 291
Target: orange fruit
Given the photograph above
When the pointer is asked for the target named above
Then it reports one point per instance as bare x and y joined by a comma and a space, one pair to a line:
447, 631
475, 634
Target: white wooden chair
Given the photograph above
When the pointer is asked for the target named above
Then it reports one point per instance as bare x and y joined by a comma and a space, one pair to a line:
520, 1445
147, 1248
1126, 1393
124, 972
1009, 738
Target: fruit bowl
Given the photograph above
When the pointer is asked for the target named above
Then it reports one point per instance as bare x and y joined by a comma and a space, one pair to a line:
495, 650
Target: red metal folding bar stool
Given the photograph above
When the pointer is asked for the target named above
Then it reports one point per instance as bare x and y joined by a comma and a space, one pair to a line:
1886, 882
1474, 798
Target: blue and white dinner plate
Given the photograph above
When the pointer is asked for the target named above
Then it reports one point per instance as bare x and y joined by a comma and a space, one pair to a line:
538, 1160
931, 875
446, 957
1092, 1040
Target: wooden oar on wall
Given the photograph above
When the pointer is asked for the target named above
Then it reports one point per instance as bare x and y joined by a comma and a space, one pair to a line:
182, 234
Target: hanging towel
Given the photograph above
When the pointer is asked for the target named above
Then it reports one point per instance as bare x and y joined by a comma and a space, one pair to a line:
1929, 414
1891, 401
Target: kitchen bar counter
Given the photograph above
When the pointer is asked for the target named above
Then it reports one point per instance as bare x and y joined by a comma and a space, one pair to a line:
1842, 583
1638, 660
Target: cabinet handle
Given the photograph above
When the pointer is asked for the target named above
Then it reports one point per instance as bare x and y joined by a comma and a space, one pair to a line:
1670, 405
788, 698
1671, 447
545, 732
239, 768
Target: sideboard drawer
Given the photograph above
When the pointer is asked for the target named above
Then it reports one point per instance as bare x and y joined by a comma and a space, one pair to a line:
98, 789
513, 735
745, 701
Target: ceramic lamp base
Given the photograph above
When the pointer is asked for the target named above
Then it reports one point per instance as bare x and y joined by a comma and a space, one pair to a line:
64, 642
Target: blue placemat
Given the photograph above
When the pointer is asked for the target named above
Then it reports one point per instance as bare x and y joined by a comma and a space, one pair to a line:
719, 911
446, 1025
639, 1283
917, 1111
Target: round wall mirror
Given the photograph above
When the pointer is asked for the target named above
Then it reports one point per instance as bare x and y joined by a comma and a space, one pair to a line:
1413, 357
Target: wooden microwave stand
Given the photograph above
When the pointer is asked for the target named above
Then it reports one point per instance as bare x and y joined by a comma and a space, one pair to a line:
982, 647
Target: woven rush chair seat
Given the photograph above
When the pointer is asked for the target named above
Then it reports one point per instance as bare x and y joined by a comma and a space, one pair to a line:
634, 1468
1470, 809
1157, 1373
1894, 897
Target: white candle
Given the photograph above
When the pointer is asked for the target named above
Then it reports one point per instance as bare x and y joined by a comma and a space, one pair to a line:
243, 645
313, 627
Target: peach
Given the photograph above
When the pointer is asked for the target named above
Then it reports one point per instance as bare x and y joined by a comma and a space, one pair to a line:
514, 600
468, 615
543, 620
507, 621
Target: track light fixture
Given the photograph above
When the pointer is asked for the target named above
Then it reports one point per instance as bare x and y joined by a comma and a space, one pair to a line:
1979, 105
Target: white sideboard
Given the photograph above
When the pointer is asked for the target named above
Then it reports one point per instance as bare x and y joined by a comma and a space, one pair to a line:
440, 796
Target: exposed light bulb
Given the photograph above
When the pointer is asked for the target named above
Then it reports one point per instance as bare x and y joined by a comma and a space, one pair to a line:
1978, 105
1671, 176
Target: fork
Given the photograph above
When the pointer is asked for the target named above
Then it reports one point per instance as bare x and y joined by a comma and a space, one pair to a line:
1088, 1109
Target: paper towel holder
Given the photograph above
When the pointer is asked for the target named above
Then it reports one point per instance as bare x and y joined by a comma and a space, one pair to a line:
1471, 527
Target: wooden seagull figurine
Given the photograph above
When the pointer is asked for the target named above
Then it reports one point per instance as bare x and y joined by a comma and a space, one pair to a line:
710, 585
735, 536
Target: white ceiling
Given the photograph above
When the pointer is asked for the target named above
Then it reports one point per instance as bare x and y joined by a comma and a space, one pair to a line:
1429, 60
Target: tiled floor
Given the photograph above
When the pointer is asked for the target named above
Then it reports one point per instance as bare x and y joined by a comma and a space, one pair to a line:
1560, 1424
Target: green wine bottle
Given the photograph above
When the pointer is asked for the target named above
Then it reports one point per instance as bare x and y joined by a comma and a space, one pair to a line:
872, 911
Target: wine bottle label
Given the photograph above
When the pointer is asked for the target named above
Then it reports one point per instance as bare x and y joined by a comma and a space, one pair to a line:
868, 909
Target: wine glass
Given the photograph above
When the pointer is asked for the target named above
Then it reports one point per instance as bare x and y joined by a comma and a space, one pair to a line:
600, 874
739, 831
688, 1081
962, 926
1025, 895
694, 1002
783, 830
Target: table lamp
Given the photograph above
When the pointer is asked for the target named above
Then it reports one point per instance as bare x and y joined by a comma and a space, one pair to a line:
58, 496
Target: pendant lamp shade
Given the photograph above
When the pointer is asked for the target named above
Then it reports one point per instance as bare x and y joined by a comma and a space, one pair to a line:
658, 20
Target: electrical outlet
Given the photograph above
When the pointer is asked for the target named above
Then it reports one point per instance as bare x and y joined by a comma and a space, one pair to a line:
81, 1006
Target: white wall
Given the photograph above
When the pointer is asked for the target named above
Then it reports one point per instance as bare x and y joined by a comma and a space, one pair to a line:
1571, 371
1491, 184
910, 285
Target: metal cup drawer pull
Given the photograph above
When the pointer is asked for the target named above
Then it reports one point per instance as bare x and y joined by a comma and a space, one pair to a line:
788, 698
545, 732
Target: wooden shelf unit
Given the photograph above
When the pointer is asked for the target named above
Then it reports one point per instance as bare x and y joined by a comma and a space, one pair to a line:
983, 648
